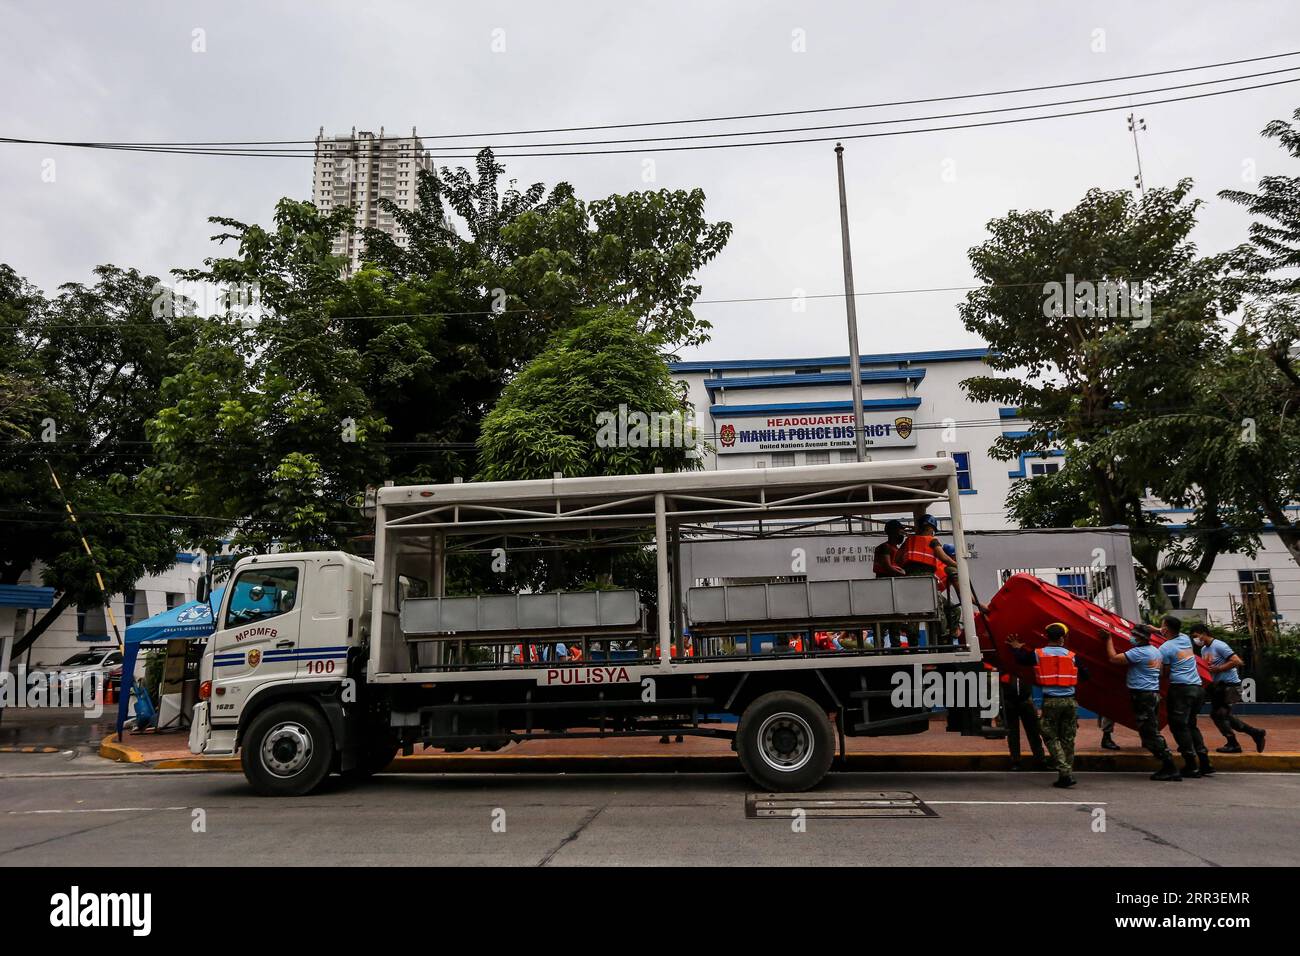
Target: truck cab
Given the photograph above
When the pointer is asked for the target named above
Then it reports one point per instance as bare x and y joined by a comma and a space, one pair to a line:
288, 626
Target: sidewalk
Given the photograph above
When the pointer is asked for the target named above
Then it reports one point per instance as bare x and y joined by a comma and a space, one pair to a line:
934, 750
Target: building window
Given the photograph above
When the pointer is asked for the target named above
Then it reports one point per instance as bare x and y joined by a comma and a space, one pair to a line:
174, 600
1076, 584
848, 457
1040, 468
962, 460
817, 458
783, 459
1257, 585
1171, 592
91, 621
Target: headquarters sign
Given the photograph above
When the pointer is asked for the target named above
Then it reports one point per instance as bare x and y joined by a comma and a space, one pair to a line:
811, 432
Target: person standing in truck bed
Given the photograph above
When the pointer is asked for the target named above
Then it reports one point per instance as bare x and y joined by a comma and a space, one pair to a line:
921, 554
885, 563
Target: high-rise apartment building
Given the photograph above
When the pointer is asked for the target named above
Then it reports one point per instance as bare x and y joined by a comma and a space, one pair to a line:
360, 169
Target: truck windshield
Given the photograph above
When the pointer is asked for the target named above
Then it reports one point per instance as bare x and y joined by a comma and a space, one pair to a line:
262, 593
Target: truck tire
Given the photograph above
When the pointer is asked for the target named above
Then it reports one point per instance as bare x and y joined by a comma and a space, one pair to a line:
287, 750
785, 742
375, 756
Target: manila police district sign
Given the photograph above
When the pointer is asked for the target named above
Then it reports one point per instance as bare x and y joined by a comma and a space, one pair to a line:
803, 432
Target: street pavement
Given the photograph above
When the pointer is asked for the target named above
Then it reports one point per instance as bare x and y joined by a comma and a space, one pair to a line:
64, 809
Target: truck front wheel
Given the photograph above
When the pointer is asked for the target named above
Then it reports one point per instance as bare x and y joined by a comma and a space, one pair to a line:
287, 750
785, 742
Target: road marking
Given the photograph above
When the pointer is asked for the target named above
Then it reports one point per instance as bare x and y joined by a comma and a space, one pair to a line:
1022, 803
20, 813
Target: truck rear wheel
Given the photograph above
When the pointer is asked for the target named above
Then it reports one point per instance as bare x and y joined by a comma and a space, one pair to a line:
785, 742
287, 750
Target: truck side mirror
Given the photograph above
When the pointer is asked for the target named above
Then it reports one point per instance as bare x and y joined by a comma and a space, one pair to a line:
201, 589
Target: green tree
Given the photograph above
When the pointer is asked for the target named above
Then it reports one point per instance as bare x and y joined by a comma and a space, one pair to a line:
599, 401
545, 257
561, 413
267, 427
1275, 233
1260, 376
94, 359
1111, 381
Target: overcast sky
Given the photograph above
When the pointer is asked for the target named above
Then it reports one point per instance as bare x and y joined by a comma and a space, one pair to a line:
128, 72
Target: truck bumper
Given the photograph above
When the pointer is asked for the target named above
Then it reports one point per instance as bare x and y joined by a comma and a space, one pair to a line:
204, 739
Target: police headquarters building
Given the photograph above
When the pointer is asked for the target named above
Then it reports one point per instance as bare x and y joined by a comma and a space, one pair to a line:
773, 413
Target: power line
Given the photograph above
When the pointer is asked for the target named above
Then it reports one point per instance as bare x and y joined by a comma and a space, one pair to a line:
527, 309
768, 115
680, 148
252, 150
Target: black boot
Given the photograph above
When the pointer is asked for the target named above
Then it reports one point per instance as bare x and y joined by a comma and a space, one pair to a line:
1108, 742
1189, 766
1231, 747
1168, 770
1205, 768
1257, 735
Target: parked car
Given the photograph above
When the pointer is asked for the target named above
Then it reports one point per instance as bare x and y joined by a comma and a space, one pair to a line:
104, 661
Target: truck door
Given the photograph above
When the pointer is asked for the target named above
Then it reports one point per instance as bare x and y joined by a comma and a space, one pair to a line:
257, 637
327, 625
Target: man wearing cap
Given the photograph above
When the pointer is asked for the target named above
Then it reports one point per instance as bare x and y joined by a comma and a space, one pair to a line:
923, 554
1186, 695
1225, 692
1057, 672
1144, 665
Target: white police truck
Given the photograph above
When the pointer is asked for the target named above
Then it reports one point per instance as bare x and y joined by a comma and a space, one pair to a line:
325, 662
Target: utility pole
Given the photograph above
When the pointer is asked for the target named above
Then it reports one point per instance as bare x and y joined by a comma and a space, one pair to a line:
855, 373
1134, 125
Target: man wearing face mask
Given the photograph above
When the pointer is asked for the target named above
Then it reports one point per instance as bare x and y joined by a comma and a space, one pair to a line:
1225, 692
1143, 681
1186, 695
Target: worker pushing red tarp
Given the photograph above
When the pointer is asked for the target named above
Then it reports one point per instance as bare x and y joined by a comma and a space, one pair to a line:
1025, 605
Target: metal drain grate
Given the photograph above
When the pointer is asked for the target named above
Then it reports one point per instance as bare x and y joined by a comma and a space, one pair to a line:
844, 806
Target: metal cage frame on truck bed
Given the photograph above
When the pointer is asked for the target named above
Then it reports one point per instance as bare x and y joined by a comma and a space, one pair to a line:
416, 526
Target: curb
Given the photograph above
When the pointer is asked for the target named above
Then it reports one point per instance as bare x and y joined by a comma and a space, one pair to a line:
30, 750
728, 763
110, 749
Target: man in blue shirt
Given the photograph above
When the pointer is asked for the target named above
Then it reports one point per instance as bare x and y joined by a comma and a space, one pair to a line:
1145, 665
1186, 697
1225, 692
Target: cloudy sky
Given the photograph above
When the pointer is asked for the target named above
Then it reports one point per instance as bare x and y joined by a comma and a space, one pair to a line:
271, 70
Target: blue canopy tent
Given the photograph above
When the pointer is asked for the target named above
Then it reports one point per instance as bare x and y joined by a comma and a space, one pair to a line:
188, 622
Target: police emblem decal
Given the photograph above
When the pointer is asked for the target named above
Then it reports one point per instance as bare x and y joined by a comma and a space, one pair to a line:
728, 435
903, 426
254, 657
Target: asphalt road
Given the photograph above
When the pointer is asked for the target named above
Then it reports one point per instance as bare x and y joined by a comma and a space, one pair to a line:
52, 812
